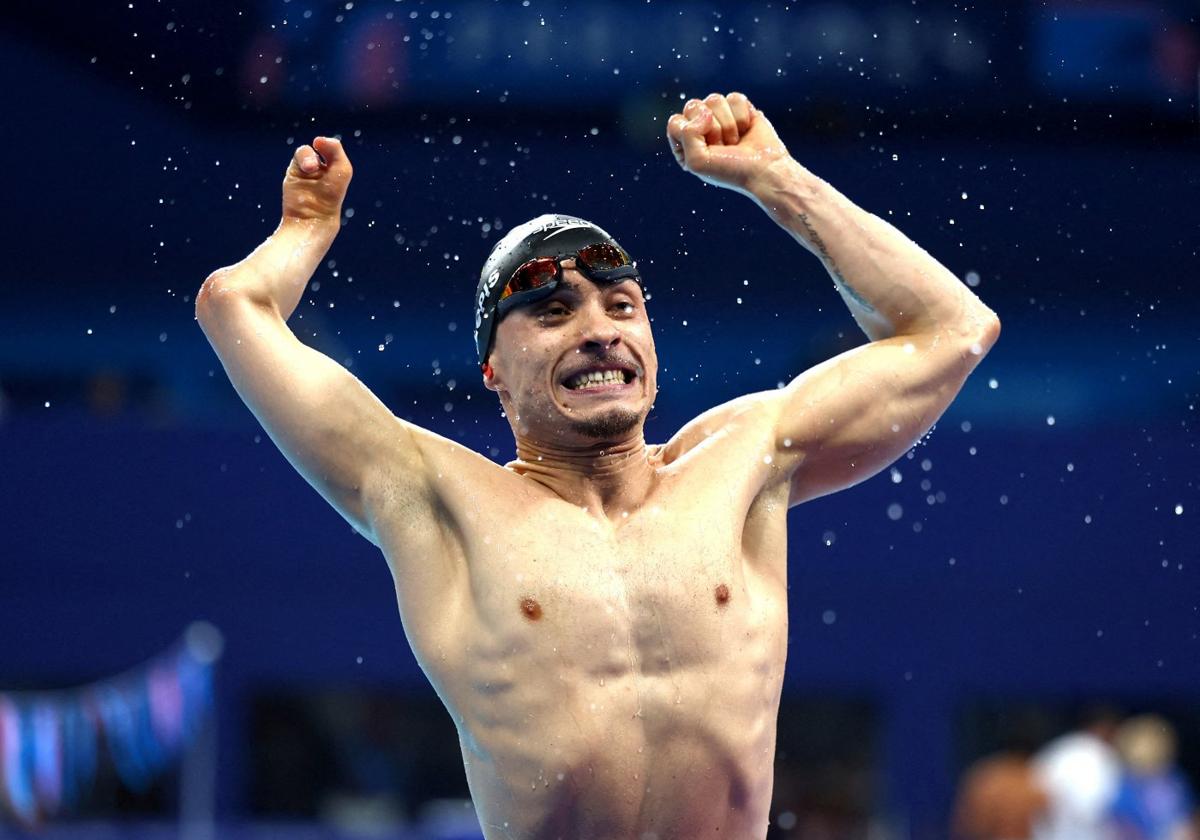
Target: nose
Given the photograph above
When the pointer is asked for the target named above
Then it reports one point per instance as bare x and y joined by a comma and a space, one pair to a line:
597, 330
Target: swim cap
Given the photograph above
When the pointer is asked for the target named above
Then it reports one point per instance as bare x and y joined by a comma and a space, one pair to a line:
549, 235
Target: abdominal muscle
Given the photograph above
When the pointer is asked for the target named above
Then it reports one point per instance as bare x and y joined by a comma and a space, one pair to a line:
593, 768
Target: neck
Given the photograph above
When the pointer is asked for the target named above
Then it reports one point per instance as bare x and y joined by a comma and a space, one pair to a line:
609, 479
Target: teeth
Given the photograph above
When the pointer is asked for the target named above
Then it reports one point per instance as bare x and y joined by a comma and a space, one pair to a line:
596, 377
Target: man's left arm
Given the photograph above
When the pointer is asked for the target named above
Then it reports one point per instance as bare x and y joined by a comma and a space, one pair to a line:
847, 418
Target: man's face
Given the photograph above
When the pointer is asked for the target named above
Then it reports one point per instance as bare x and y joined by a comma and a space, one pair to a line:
541, 348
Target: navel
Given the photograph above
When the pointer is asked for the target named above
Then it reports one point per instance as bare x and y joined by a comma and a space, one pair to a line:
531, 608
722, 594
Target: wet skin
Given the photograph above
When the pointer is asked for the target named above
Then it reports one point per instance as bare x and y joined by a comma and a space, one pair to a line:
604, 619
613, 661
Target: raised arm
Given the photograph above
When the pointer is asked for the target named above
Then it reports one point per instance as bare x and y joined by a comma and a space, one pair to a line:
849, 417
342, 439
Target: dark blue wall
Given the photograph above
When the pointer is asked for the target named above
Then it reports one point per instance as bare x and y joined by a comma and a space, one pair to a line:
1061, 565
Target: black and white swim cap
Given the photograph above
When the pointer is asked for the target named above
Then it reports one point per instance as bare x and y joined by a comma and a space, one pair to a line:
549, 235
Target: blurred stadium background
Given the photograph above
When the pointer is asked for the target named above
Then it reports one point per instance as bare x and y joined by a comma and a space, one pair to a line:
1036, 553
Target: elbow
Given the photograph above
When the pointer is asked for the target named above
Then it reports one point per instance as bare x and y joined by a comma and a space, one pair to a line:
985, 331
220, 291
213, 289
991, 328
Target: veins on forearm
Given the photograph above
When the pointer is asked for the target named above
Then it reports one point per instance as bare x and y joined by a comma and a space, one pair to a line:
819, 244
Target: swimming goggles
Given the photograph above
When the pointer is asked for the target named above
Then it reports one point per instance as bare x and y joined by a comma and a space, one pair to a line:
537, 278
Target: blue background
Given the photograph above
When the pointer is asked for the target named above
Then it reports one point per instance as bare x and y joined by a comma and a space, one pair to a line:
1052, 154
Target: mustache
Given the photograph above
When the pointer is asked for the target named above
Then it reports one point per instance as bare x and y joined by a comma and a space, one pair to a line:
608, 358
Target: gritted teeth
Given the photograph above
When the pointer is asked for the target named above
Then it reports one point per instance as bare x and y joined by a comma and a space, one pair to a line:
598, 376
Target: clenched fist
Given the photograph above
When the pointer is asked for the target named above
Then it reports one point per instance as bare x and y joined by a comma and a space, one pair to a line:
724, 140
316, 181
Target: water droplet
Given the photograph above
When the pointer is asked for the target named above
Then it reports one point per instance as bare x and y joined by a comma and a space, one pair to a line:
895, 511
1178, 510
829, 617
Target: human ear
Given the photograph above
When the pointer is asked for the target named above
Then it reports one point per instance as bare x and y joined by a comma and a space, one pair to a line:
489, 377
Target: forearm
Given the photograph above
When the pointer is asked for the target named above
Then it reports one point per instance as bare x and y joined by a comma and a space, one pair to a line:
277, 271
892, 285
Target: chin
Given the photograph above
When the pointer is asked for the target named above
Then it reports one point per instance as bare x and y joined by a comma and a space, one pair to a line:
607, 425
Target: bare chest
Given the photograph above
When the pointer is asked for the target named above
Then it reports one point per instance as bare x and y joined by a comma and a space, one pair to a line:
629, 587
688, 580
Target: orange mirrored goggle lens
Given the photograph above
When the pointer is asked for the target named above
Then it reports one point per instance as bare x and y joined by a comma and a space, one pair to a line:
543, 270
602, 257
531, 275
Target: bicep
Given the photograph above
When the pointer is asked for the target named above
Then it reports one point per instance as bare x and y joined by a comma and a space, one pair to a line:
850, 417
331, 428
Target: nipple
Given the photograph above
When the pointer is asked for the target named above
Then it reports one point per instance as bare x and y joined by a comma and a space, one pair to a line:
531, 608
722, 594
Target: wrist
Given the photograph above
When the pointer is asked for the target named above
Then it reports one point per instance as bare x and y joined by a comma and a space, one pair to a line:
779, 178
324, 227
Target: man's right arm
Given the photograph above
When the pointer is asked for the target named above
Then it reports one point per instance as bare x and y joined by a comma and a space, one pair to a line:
335, 432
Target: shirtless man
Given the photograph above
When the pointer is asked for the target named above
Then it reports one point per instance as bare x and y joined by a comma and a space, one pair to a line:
604, 619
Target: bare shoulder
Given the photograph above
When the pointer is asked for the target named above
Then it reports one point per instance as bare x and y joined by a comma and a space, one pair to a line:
453, 476
743, 420
425, 508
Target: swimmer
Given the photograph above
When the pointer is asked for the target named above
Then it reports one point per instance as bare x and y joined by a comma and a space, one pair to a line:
604, 618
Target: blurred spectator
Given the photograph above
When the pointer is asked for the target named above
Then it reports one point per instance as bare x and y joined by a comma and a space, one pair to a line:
999, 797
1079, 772
1153, 800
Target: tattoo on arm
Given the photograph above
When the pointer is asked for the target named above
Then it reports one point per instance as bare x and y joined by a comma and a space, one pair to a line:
815, 239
